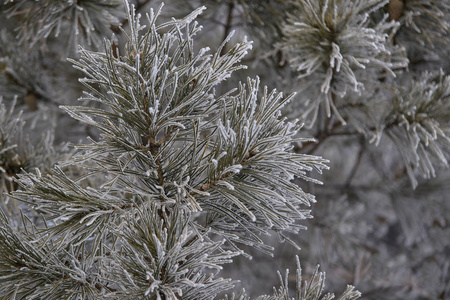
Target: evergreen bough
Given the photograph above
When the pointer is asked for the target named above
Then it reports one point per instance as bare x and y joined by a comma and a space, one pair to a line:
179, 178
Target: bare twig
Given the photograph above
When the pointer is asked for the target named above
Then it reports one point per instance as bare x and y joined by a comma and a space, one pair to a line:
228, 25
357, 162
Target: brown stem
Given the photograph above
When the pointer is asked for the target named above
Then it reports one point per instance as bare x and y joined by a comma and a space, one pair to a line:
228, 24
154, 149
160, 172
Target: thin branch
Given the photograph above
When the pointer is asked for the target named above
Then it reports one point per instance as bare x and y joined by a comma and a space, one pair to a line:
322, 136
207, 185
30, 91
357, 162
228, 24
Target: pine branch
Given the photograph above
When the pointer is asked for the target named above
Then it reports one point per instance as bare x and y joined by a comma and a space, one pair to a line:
335, 46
